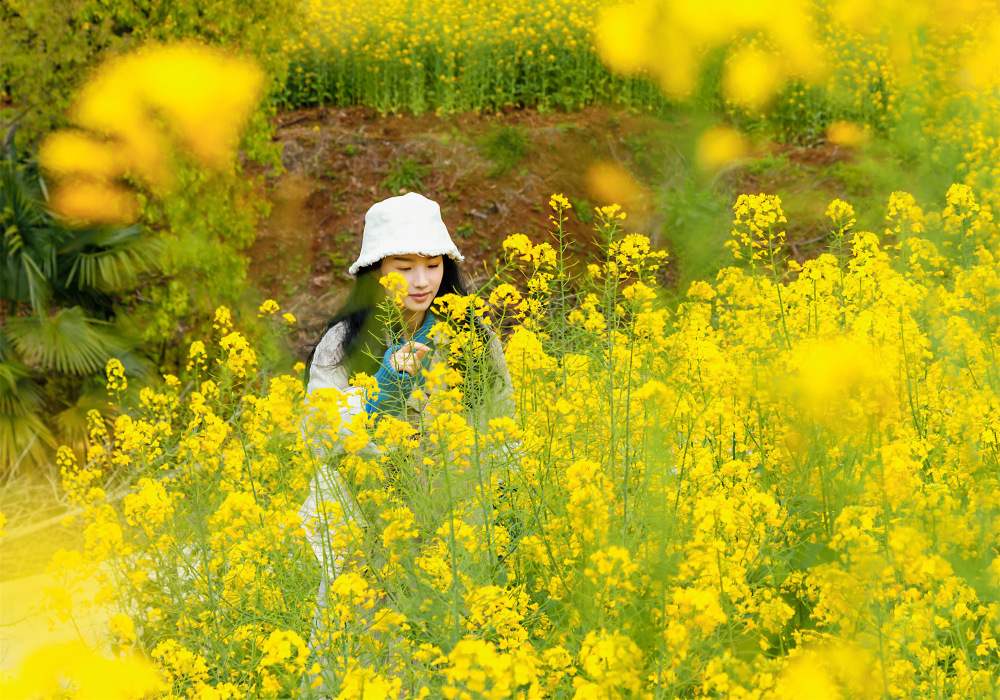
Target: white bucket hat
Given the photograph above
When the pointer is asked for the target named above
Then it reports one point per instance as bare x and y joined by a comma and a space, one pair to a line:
407, 225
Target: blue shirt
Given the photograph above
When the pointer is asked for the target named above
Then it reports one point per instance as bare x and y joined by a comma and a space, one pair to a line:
396, 387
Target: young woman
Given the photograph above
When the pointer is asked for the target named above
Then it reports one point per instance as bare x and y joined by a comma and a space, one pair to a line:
403, 235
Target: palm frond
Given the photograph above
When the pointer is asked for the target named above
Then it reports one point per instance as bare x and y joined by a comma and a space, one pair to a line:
67, 342
112, 269
18, 203
24, 441
38, 289
21, 205
20, 394
29, 241
109, 259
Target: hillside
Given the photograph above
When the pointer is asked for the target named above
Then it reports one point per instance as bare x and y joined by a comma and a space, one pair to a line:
493, 174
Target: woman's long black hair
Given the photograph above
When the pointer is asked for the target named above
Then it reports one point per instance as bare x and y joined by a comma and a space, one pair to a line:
364, 340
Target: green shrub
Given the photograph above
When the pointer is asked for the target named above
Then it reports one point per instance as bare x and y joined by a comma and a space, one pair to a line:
404, 174
505, 146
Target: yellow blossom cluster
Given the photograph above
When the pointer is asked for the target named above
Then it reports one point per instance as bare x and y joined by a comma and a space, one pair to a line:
395, 286
116, 376
757, 230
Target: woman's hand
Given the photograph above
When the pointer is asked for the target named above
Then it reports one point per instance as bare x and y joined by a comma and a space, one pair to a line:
408, 358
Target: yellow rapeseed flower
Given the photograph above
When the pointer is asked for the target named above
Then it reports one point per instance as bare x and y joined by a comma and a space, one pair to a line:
845, 133
752, 77
268, 308
395, 286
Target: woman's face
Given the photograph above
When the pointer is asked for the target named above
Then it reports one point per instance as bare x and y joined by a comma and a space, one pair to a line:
423, 278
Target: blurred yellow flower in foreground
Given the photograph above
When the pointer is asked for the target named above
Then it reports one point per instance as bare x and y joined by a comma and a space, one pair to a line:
74, 153
94, 203
204, 97
53, 670
672, 39
143, 108
619, 44
831, 672
752, 77
842, 382
981, 70
718, 147
610, 183
843, 133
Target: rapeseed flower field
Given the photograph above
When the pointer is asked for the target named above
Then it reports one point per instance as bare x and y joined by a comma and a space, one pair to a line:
784, 486
452, 57
797, 64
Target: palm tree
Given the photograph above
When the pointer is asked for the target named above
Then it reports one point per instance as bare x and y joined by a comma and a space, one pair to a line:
61, 320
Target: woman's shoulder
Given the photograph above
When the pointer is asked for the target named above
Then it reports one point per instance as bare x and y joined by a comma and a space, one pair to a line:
330, 347
326, 370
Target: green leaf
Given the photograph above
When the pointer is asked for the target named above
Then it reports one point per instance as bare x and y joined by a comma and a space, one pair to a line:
67, 342
23, 439
20, 394
109, 259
